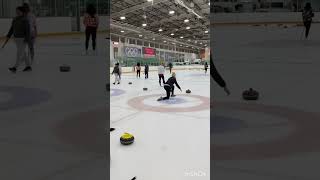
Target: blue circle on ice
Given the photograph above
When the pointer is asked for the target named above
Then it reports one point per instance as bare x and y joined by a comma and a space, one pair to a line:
116, 92
200, 75
221, 124
173, 100
22, 97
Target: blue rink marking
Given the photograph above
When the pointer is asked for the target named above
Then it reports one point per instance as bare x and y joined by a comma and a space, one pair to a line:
221, 124
174, 100
22, 97
116, 92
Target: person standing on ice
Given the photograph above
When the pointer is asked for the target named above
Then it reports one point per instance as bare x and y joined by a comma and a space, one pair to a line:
146, 71
117, 73
161, 72
138, 68
33, 29
217, 77
307, 16
91, 23
170, 67
21, 33
205, 67
169, 87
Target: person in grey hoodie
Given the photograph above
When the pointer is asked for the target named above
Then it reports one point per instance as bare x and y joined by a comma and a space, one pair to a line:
33, 29
20, 30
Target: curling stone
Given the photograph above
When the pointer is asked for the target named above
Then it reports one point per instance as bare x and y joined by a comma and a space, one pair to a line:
145, 89
65, 68
250, 94
130, 83
126, 139
188, 91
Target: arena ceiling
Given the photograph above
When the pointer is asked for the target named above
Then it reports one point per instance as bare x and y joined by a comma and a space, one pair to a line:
180, 22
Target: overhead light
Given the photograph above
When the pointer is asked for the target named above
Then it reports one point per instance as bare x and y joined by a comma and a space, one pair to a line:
205, 45
115, 43
206, 31
172, 34
122, 18
209, 3
180, 45
140, 35
122, 31
181, 37
149, 0
189, 40
171, 12
186, 20
188, 27
144, 24
173, 43
201, 43
187, 46
160, 30
153, 38
164, 41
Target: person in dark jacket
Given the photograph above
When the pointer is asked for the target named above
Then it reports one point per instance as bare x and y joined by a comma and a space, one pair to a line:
146, 71
116, 72
205, 67
20, 30
169, 86
307, 16
217, 77
170, 67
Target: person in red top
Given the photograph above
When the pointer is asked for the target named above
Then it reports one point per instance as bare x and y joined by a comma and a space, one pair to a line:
91, 23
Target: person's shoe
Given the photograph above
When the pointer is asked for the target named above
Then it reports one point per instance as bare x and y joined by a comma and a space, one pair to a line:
118, 82
114, 83
13, 69
27, 69
173, 95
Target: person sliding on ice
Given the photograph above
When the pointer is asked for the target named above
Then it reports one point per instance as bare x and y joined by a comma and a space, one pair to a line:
307, 16
20, 29
146, 71
116, 72
169, 87
161, 71
138, 67
170, 67
33, 29
206, 67
91, 23
216, 76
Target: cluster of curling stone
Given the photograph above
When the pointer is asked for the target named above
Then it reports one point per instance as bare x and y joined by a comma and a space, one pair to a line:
130, 83
65, 68
126, 139
250, 94
188, 91
145, 89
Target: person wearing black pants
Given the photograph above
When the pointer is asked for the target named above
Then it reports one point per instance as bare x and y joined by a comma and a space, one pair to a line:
138, 70
146, 71
169, 86
91, 23
161, 72
307, 16
217, 77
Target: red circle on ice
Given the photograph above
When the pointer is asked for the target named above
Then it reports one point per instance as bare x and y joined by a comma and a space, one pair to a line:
302, 139
138, 103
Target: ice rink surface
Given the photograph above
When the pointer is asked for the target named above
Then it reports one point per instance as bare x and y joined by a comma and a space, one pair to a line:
172, 137
70, 143
276, 137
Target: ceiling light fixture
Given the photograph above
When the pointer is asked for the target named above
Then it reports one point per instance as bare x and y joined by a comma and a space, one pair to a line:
122, 17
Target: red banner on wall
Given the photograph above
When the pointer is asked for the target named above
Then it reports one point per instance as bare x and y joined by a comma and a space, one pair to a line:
149, 52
